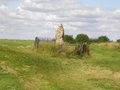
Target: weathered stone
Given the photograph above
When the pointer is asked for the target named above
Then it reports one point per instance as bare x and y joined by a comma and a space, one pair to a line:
59, 37
78, 49
82, 49
36, 43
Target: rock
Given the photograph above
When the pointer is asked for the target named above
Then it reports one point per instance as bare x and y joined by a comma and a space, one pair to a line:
59, 37
36, 43
82, 49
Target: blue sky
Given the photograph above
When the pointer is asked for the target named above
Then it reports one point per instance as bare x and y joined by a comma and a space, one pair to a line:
13, 4
102, 3
97, 3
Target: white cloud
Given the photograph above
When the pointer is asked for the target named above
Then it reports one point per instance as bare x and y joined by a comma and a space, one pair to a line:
39, 17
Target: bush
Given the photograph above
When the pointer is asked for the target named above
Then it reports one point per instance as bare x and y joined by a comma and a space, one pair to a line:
69, 39
80, 38
103, 39
118, 40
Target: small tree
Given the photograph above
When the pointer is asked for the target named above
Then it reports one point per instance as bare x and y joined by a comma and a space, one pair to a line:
80, 38
103, 39
69, 38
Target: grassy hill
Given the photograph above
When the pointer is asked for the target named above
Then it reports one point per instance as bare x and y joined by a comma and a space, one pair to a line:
22, 68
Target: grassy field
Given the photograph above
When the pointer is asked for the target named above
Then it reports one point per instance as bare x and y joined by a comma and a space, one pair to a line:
23, 68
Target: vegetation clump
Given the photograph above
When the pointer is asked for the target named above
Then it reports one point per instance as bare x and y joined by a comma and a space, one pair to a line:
103, 39
118, 40
81, 38
69, 39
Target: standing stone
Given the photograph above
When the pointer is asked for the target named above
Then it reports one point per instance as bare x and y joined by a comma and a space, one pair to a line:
36, 43
59, 37
82, 49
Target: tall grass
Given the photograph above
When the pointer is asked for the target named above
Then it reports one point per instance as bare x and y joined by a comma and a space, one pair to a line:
48, 48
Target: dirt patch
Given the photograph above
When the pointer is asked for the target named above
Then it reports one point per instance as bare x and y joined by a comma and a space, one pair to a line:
36, 82
109, 44
88, 72
6, 69
116, 74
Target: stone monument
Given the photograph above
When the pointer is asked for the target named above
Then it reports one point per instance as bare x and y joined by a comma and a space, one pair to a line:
59, 37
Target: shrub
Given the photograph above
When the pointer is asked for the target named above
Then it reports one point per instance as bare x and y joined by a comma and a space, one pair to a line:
69, 39
118, 40
103, 39
80, 38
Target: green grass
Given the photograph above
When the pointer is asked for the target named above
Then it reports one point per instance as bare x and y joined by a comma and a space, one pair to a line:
23, 68
9, 82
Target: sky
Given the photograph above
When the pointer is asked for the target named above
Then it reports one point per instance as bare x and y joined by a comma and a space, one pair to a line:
102, 3
25, 19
